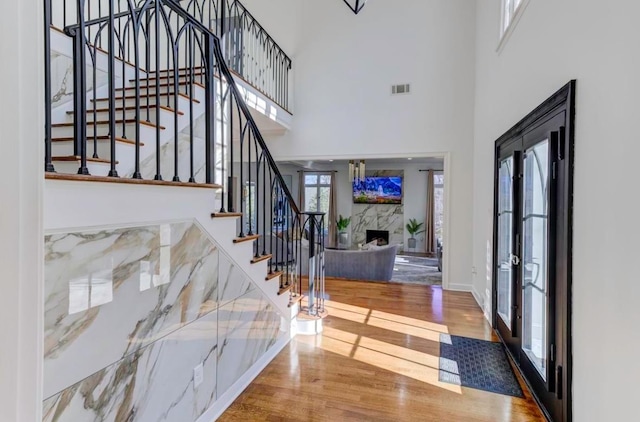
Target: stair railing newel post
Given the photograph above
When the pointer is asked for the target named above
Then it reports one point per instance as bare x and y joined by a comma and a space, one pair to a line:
112, 90
210, 111
192, 178
80, 89
243, 196
48, 164
136, 52
316, 224
158, 175
274, 202
264, 208
173, 46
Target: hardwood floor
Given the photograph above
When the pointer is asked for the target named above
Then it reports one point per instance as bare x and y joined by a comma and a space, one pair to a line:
377, 361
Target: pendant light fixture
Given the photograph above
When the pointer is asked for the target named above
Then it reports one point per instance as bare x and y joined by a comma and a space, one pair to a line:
355, 5
357, 170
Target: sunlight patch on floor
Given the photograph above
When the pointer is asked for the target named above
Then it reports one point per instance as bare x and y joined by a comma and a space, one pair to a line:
413, 364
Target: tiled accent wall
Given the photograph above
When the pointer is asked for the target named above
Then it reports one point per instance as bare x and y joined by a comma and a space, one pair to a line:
130, 313
378, 217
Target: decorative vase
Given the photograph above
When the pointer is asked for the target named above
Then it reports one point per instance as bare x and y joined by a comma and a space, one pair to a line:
412, 243
343, 239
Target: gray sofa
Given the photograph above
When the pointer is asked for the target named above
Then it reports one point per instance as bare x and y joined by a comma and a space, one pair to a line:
374, 264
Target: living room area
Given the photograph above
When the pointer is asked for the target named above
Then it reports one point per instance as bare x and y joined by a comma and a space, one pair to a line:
385, 217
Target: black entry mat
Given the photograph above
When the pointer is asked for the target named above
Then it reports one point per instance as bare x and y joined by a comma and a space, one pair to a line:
478, 364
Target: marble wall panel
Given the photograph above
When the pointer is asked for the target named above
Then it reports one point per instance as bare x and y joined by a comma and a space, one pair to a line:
248, 327
111, 292
155, 383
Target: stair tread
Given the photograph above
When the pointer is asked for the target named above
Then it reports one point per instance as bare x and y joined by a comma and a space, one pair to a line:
284, 289
106, 122
258, 259
246, 238
181, 69
77, 158
99, 138
131, 97
225, 214
162, 85
165, 76
273, 275
106, 179
142, 107
295, 299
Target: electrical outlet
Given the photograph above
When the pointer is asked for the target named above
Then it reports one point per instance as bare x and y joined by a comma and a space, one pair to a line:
198, 375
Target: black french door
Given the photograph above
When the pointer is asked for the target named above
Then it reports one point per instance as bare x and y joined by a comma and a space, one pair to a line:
532, 249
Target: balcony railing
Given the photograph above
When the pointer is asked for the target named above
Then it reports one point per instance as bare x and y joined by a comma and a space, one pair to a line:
249, 50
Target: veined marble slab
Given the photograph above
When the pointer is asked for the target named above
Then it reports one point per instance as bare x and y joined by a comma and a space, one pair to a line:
108, 293
233, 281
248, 327
62, 79
377, 217
153, 384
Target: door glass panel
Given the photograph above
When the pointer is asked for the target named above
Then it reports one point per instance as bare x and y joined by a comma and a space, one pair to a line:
535, 255
505, 241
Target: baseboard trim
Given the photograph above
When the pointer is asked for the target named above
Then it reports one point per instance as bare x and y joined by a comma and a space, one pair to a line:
478, 298
482, 304
225, 400
460, 288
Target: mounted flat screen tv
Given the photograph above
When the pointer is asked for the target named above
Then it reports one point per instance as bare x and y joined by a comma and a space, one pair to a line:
378, 190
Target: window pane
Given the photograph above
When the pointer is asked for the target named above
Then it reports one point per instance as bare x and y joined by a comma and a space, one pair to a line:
324, 199
535, 255
325, 179
505, 231
311, 199
310, 179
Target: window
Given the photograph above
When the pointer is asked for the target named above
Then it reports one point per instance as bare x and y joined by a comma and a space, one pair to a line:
511, 12
317, 189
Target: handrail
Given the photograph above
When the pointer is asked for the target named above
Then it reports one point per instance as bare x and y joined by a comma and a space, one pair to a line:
245, 109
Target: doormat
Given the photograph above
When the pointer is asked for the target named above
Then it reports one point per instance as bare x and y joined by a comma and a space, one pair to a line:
478, 364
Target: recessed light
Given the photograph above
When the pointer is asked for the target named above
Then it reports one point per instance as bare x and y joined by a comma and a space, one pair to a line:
331, 161
409, 158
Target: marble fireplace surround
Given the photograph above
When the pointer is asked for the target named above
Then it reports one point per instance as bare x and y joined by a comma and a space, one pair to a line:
131, 312
378, 216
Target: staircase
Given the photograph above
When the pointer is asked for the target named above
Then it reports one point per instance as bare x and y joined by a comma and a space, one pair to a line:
157, 116
155, 102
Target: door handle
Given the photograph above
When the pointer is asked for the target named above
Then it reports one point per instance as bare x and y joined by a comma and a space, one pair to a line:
558, 382
515, 260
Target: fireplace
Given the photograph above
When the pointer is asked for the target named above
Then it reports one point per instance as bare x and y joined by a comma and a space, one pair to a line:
382, 236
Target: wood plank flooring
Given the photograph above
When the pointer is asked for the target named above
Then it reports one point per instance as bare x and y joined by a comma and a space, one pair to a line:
377, 361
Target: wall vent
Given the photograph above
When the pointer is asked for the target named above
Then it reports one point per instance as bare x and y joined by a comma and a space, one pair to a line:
400, 89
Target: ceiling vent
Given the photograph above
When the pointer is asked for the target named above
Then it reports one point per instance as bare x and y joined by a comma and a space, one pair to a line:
400, 89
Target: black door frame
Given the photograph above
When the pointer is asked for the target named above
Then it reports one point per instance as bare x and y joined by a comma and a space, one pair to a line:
562, 100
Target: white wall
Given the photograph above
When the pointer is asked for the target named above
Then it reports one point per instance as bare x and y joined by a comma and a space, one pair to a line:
21, 181
345, 66
597, 44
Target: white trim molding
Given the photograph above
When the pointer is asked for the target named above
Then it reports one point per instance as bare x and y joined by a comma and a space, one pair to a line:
21, 229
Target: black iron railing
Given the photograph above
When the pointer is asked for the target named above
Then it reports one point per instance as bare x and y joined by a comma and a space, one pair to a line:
248, 49
155, 99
